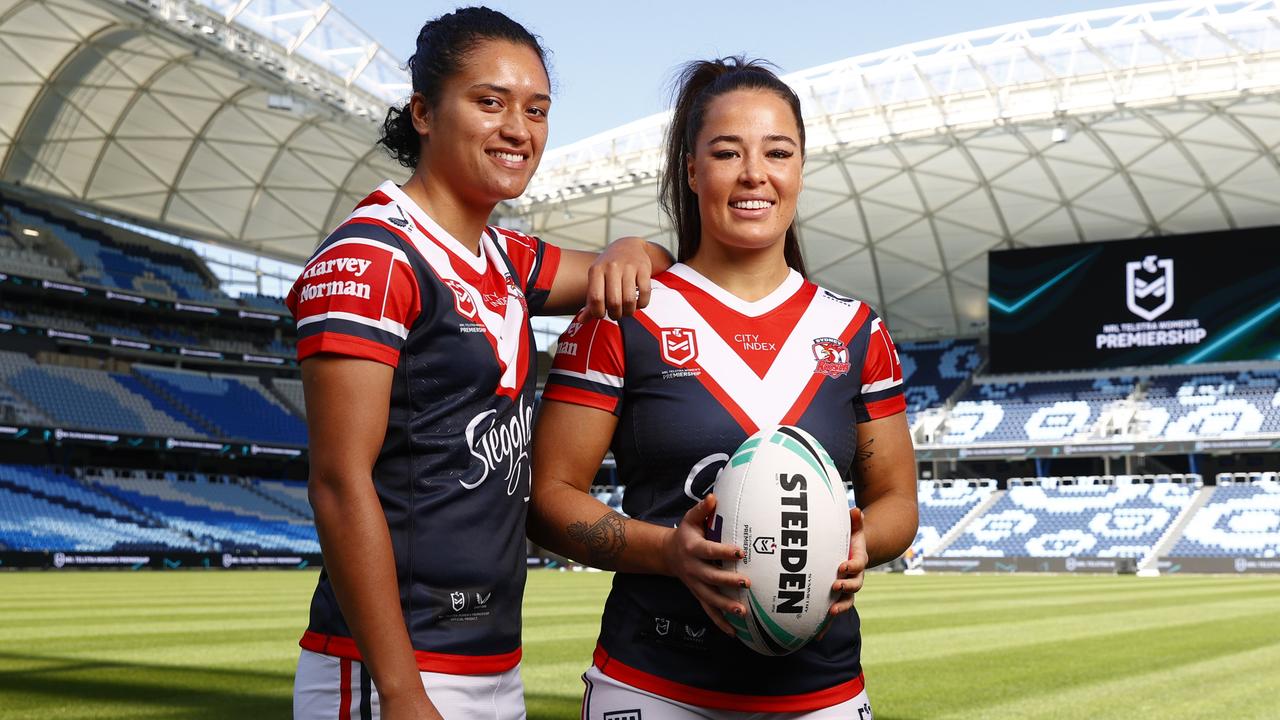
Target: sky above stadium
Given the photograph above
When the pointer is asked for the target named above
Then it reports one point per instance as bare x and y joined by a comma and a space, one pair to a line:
612, 61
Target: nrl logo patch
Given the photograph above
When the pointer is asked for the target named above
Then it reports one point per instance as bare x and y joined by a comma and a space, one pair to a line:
462, 300
1149, 286
832, 356
679, 346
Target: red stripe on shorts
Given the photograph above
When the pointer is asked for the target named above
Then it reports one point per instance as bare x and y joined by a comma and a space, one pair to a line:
344, 700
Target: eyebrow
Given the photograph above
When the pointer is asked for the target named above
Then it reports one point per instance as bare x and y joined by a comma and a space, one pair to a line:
499, 89
737, 139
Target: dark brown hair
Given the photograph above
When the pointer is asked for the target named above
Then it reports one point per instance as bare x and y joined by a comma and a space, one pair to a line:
696, 86
443, 46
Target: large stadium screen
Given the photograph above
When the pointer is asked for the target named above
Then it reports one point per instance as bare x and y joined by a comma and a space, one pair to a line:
1181, 299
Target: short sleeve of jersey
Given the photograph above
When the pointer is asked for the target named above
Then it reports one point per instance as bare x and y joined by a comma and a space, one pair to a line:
536, 262
589, 365
357, 296
882, 388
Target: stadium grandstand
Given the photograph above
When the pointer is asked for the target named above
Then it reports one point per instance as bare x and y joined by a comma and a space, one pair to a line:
165, 165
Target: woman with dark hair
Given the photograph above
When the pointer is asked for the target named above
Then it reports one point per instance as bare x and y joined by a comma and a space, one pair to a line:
418, 369
734, 339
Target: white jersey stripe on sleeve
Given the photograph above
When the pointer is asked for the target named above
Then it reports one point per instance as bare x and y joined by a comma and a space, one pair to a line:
396, 253
879, 385
386, 324
594, 376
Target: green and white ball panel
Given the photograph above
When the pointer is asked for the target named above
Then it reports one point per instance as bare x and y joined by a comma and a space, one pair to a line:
781, 499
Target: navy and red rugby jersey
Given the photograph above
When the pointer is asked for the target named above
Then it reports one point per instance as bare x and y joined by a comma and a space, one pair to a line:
690, 377
390, 285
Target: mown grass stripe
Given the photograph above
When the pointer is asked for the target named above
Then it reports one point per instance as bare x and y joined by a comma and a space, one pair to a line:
123, 646
1043, 667
1223, 686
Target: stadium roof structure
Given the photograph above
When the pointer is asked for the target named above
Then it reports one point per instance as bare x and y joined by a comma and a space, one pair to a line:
246, 122
1145, 120
251, 123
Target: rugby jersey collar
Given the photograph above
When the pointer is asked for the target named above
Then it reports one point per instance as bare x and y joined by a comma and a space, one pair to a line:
789, 286
433, 228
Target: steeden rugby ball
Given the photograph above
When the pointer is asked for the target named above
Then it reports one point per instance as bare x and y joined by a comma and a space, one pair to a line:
781, 499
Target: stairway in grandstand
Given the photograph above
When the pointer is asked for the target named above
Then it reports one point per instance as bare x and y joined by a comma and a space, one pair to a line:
1166, 542
940, 524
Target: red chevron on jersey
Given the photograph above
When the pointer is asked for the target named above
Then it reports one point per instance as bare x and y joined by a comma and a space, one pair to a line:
755, 333
677, 426
753, 399
470, 277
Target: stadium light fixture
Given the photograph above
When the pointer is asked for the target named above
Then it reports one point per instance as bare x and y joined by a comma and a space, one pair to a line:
30, 232
1060, 134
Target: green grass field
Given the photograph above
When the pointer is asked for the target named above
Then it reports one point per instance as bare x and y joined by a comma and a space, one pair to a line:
206, 645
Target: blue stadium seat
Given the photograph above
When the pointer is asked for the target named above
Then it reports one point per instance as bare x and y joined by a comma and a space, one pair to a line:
1211, 405
225, 516
30, 523
933, 371
89, 399
1048, 518
1240, 520
1043, 411
239, 408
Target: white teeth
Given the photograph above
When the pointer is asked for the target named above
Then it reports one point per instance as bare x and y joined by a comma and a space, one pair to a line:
509, 157
751, 204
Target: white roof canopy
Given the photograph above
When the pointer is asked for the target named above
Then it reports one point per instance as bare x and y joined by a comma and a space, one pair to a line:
1145, 120
252, 123
249, 123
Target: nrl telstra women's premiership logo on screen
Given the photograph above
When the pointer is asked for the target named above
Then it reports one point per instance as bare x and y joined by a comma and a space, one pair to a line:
1150, 294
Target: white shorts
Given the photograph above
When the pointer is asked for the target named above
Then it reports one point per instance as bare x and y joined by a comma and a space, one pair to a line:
330, 688
609, 699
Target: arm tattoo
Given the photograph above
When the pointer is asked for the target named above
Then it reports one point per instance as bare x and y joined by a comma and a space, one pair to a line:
604, 541
864, 451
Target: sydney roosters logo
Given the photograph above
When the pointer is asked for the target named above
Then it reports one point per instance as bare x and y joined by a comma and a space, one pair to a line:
497, 302
679, 346
514, 291
832, 356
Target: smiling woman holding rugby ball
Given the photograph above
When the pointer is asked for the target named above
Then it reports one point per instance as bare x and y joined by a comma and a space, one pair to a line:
417, 356
733, 340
